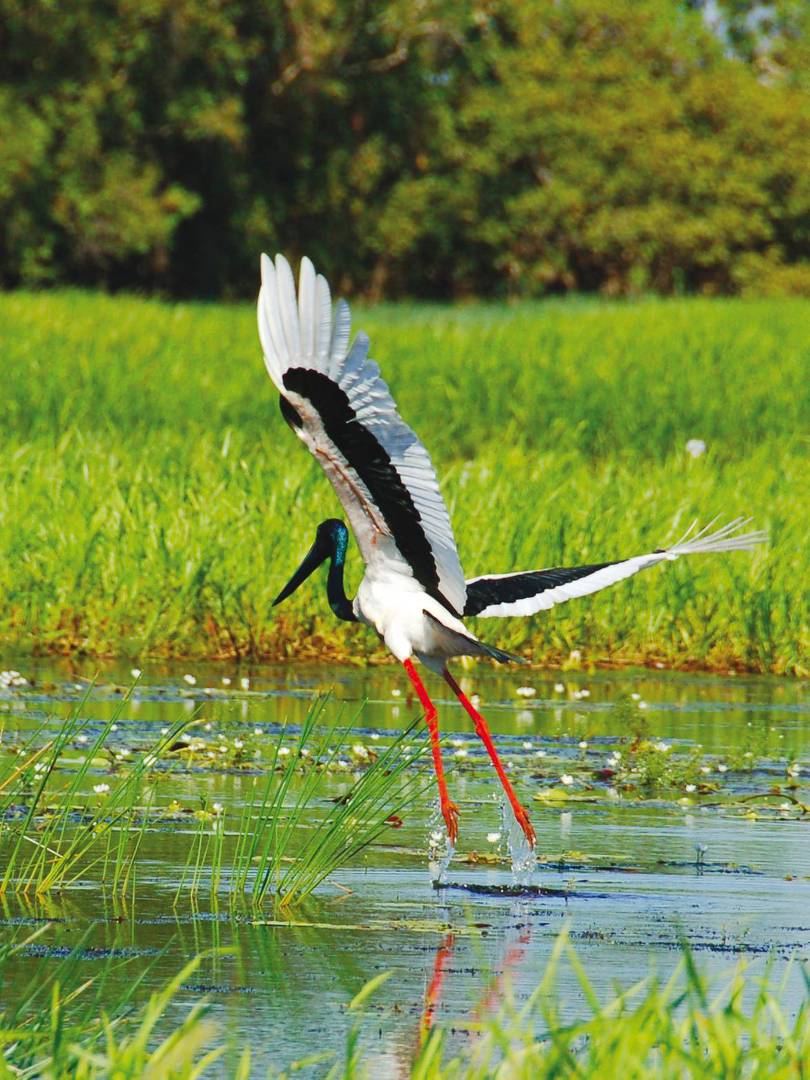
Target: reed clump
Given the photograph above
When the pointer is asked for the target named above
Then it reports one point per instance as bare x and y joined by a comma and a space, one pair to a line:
70, 811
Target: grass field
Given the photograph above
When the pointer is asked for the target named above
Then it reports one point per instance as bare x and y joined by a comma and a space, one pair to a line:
152, 500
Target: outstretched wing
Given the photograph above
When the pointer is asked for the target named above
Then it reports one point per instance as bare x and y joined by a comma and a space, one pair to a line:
536, 590
334, 399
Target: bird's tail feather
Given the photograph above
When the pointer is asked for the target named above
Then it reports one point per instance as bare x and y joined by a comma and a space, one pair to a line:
501, 656
728, 537
466, 645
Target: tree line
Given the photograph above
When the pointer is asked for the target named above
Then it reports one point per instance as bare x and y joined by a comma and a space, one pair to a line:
434, 148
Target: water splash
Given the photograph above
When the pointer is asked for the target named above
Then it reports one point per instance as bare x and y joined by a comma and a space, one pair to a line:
522, 854
440, 847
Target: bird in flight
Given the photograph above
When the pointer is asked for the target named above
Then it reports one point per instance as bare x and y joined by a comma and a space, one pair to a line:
413, 593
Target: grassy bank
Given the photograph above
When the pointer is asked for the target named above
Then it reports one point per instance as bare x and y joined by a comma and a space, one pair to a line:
153, 502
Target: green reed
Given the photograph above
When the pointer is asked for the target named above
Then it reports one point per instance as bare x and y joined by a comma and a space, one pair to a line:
63, 1024
153, 501
683, 1028
60, 836
283, 845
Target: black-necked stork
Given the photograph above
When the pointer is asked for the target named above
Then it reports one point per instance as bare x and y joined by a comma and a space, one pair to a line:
413, 593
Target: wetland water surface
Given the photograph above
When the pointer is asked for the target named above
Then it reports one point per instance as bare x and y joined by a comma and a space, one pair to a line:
666, 807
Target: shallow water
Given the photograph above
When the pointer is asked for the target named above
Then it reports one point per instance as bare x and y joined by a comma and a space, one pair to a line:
629, 877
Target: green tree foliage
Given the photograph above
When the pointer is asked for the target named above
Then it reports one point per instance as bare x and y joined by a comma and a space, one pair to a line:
427, 147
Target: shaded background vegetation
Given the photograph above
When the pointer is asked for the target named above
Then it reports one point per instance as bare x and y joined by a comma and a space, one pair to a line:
423, 147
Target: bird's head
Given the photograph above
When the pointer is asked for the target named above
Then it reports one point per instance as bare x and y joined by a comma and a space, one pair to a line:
331, 539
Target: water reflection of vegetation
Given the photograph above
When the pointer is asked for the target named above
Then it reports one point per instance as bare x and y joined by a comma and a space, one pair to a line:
68, 1025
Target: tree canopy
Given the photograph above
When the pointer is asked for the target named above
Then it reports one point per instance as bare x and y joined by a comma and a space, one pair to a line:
411, 147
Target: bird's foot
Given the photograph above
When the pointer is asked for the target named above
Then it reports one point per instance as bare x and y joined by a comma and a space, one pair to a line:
525, 824
450, 815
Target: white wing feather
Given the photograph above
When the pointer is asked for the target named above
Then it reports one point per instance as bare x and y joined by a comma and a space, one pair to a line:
727, 538
300, 332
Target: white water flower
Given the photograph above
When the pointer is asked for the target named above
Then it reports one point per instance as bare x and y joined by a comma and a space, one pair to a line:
238, 744
690, 788
40, 766
559, 688
662, 747
539, 753
525, 691
462, 753
136, 673
527, 746
226, 681
101, 789
81, 738
190, 680
14, 678
643, 705
374, 735
566, 779
583, 745
636, 697
245, 683
705, 769
217, 808
360, 751
396, 692
722, 768
283, 751
493, 837
695, 447
794, 770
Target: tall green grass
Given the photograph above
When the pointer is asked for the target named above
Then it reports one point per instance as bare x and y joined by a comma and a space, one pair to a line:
276, 848
152, 500
65, 1024
684, 1028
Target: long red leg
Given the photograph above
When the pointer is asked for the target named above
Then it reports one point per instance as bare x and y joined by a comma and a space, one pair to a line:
449, 808
482, 731
433, 995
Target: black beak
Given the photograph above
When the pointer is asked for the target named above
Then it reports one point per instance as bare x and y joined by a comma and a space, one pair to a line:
318, 553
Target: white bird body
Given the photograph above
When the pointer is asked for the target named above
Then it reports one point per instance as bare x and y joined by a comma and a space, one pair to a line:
412, 623
413, 593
